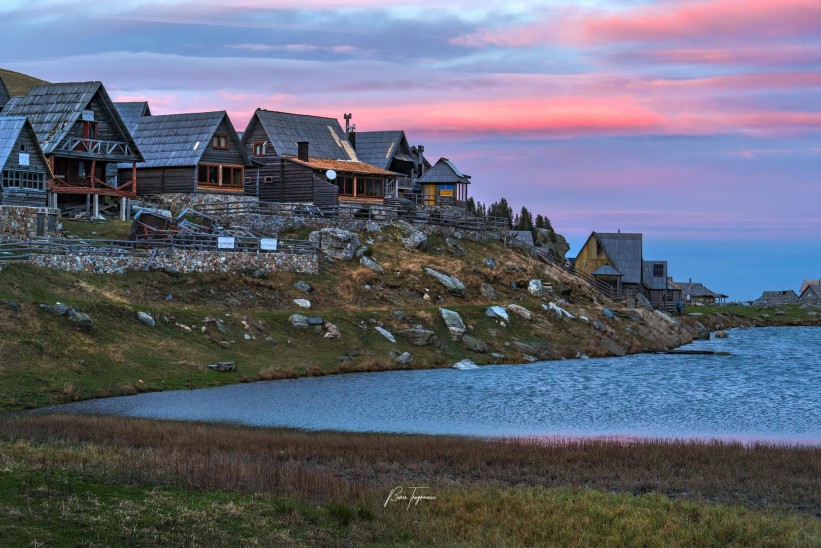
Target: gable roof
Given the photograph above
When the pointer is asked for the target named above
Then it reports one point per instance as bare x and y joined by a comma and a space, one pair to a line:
342, 166
179, 140
650, 281
132, 111
808, 283
625, 252
325, 136
696, 289
812, 289
381, 148
444, 172
53, 109
10, 130
606, 270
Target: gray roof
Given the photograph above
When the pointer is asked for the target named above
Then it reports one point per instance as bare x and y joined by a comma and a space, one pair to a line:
179, 140
10, 129
695, 289
325, 136
624, 251
4, 93
812, 288
380, 148
132, 111
444, 172
654, 282
606, 270
53, 109
524, 236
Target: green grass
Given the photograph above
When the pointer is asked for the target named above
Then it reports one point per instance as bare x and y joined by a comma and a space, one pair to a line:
112, 229
790, 312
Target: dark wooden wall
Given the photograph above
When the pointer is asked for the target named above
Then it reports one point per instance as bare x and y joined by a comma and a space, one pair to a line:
228, 156
281, 180
256, 133
161, 180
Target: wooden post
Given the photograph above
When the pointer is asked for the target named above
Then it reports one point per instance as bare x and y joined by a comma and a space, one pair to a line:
134, 178
88, 206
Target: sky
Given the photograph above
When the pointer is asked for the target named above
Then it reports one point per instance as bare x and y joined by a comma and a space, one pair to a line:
694, 122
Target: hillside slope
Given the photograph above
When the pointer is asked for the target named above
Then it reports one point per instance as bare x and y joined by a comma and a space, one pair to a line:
19, 83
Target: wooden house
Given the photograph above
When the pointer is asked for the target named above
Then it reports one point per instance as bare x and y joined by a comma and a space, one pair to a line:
389, 150
807, 283
443, 184
811, 295
295, 153
777, 298
695, 292
23, 166
660, 289
186, 153
81, 133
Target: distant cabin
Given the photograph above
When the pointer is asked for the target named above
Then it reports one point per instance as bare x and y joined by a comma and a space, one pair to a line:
389, 150
811, 295
24, 167
443, 184
696, 292
776, 298
187, 153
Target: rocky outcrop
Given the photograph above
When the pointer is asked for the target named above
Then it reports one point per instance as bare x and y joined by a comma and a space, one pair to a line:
451, 283
336, 243
474, 345
412, 238
453, 321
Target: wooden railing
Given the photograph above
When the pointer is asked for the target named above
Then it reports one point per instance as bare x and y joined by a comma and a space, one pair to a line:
96, 146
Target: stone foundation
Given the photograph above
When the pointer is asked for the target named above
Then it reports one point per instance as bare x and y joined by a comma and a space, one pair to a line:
184, 261
178, 202
20, 222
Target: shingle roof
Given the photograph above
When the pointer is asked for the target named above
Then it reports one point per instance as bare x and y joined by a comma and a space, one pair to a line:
444, 172
132, 111
325, 136
812, 288
654, 282
624, 251
808, 283
53, 109
10, 129
341, 166
381, 147
695, 289
178, 140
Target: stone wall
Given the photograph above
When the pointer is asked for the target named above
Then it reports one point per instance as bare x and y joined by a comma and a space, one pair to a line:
184, 261
177, 202
20, 222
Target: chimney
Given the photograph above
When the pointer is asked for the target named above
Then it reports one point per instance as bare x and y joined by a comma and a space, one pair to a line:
348, 117
302, 150
421, 149
352, 138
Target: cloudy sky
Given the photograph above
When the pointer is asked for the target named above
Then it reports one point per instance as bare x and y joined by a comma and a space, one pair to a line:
695, 122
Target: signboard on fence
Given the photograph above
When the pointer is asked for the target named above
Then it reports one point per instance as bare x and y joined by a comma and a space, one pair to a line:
225, 242
268, 244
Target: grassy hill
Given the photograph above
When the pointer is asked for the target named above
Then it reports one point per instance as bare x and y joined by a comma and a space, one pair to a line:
19, 83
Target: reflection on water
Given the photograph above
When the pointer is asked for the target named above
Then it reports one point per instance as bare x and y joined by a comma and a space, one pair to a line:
769, 388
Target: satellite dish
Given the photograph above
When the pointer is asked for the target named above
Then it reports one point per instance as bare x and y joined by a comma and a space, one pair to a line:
330, 174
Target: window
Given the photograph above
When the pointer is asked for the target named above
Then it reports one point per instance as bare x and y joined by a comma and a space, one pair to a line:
22, 147
27, 180
259, 148
220, 176
345, 185
658, 270
220, 140
86, 130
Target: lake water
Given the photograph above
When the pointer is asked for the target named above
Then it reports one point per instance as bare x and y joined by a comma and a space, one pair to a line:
768, 389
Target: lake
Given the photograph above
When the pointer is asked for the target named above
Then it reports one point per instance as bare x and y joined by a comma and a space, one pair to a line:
768, 389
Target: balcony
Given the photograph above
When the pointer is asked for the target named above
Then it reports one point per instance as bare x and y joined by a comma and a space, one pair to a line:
96, 147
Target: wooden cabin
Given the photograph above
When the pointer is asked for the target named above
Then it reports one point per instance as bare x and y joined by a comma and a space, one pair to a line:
696, 292
81, 133
811, 295
389, 150
23, 166
614, 258
443, 184
187, 153
777, 298
294, 153
660, 290
131, 112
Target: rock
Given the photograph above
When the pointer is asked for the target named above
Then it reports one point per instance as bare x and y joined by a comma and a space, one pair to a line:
520, 311
418, 336
525, 348
474, 345
412, 238
560, 311
260, 274
764, 315
535, 288
336, 243
304, 287
529, 358
385, 333
565, 290
169, 297
666, 317
634, 316
232, 303
367, 262
259, 325
598, 325
812, 314
404, 358
298, 320
580, 356
465, 365
453, 246
45, 307
643, 302
146, 319
585, 319
315, 320
780, 313
721, 335
303, 303
488, 291
451, 283
607, 313
332, 332
81, 319
223, 367
453, 321
490, 263
612, 347
426, 297
246, 336
13, 305
60, 309
497, 356
372, 227
497, 312
220, 326
225, 344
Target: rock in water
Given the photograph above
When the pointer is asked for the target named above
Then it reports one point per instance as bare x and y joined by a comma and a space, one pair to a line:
520, 311
385, 333
721, 335
336, 243
453, 321
367, 262
146, 319
474, 345
497, 312
465, 365
451, 283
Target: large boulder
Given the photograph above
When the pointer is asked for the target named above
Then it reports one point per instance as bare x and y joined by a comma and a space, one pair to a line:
336, 243
643, 302
367, 262
520, 311
385, 333
453, 321
412, 238
451, 283
298, 320
465, 364
488, 291
146, 319
497, 312
418, 336
474, 345
535, 288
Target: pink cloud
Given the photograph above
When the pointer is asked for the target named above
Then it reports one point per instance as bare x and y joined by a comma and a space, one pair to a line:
776, 55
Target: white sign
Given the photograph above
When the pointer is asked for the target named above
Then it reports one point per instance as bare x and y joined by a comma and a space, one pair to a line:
225, 242
88, 116
24, 159
268, 244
